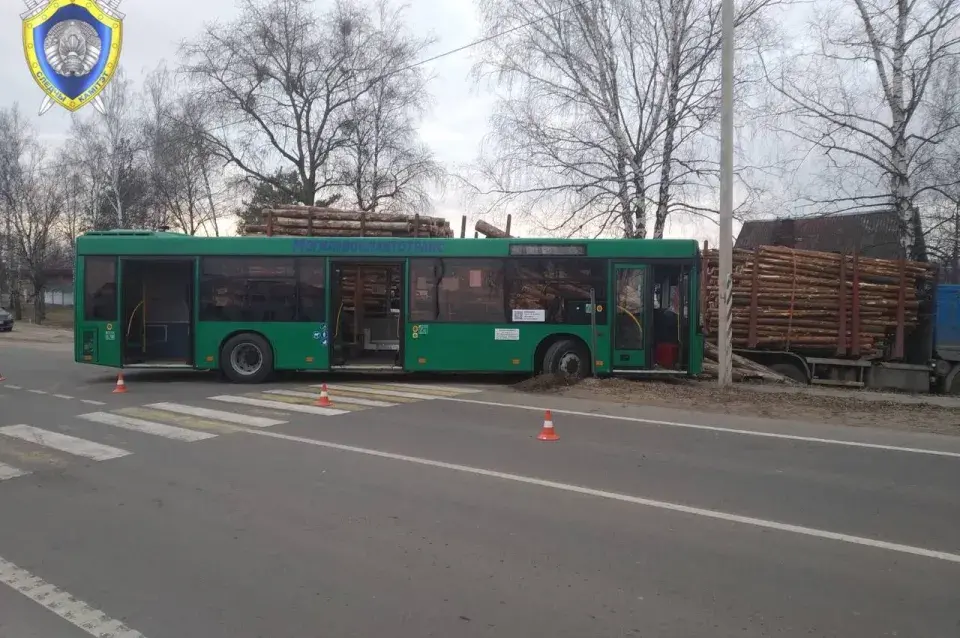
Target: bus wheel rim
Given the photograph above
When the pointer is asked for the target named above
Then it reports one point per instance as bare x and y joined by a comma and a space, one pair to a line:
570, 364
240, 362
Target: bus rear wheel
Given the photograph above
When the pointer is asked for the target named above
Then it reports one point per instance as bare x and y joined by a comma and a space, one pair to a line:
247, 358
567, 358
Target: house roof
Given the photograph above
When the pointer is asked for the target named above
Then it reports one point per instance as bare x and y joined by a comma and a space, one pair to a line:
870, 234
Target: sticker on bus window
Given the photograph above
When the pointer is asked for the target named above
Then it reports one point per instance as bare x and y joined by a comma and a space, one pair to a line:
529, 315
476, 278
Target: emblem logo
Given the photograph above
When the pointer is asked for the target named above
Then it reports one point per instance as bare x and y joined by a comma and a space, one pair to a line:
73, 49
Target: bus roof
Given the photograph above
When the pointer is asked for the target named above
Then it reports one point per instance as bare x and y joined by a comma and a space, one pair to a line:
161, 243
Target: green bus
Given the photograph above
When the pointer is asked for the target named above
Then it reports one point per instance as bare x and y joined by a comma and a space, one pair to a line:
249, 306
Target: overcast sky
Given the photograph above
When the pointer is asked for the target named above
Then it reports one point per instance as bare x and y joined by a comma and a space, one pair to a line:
153, 30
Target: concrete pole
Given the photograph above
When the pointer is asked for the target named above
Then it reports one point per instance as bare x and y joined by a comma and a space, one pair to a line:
725, 279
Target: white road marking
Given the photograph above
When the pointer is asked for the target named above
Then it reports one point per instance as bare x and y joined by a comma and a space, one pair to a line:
38, 391
63, 396
280, 405
51, 598
217, 415
439, 388
626, 498
147, 427
92, 402
12, 387
712, 428
9, 472
340, 399
385, 392
63, 442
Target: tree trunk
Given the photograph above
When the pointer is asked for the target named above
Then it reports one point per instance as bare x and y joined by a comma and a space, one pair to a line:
956, 246
670, 132
39, 307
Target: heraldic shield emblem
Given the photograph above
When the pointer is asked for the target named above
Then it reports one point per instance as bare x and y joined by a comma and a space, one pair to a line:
72, 49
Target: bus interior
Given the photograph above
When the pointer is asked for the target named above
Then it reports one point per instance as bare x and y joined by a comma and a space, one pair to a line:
670, 316
368, 301
157, 298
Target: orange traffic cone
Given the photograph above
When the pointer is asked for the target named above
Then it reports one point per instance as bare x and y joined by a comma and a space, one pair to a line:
324, 400
121, 386
548, 433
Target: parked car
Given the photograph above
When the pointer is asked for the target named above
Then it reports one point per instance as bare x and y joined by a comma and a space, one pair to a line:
6, 321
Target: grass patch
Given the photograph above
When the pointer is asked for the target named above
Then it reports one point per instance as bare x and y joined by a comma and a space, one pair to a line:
57, 317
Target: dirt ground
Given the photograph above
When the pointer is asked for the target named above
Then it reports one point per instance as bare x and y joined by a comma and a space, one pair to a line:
57, 317
851, 408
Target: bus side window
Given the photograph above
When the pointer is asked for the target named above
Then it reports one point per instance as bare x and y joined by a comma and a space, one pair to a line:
471, 290
100, 288
424, 275
311, 293
557, 287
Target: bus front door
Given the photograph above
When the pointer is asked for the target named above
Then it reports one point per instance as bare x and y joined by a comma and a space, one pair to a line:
629, 327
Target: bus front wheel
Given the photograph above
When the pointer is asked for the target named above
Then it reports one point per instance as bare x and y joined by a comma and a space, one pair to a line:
568, 358
247, 358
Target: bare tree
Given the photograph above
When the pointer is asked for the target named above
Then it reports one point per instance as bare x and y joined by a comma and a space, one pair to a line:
605, 104
186, 175
33, 201
283, 81
862, 96
15, 138
383, 162
109, 149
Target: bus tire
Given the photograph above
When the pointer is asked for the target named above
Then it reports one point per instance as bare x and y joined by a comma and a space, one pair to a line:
246, 358
568, 358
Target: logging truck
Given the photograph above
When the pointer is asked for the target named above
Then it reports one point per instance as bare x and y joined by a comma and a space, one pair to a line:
840, 320
251, 305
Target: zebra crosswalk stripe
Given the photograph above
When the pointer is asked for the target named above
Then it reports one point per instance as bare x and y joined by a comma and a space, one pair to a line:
63, 442
9, 472
279, 405
451, 389
147, 427
340, 399
384, 392
218, 415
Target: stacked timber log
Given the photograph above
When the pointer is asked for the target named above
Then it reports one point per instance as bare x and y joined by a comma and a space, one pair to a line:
378, 286
314, 221
814, 302
491, 231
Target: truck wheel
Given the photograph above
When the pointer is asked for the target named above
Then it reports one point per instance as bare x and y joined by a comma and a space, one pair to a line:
952, 382
567, 358
247, 358
790, 371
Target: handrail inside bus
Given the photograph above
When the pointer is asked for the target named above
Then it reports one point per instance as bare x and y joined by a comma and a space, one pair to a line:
632, 316
133, 315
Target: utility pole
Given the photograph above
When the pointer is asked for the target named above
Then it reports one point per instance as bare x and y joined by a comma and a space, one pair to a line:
725, 279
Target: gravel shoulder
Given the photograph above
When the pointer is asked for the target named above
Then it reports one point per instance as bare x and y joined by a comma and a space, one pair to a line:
916, 413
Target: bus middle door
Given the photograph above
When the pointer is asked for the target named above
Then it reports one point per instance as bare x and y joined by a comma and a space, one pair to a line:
629, 318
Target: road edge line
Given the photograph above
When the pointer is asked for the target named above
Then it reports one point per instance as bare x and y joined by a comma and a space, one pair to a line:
625, 498
62, 603
713, 428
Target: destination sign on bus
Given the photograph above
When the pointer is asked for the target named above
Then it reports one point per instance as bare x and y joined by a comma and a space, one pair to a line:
366, 246
567, 250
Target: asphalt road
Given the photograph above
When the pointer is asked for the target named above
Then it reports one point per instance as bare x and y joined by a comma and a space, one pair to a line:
428, 508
